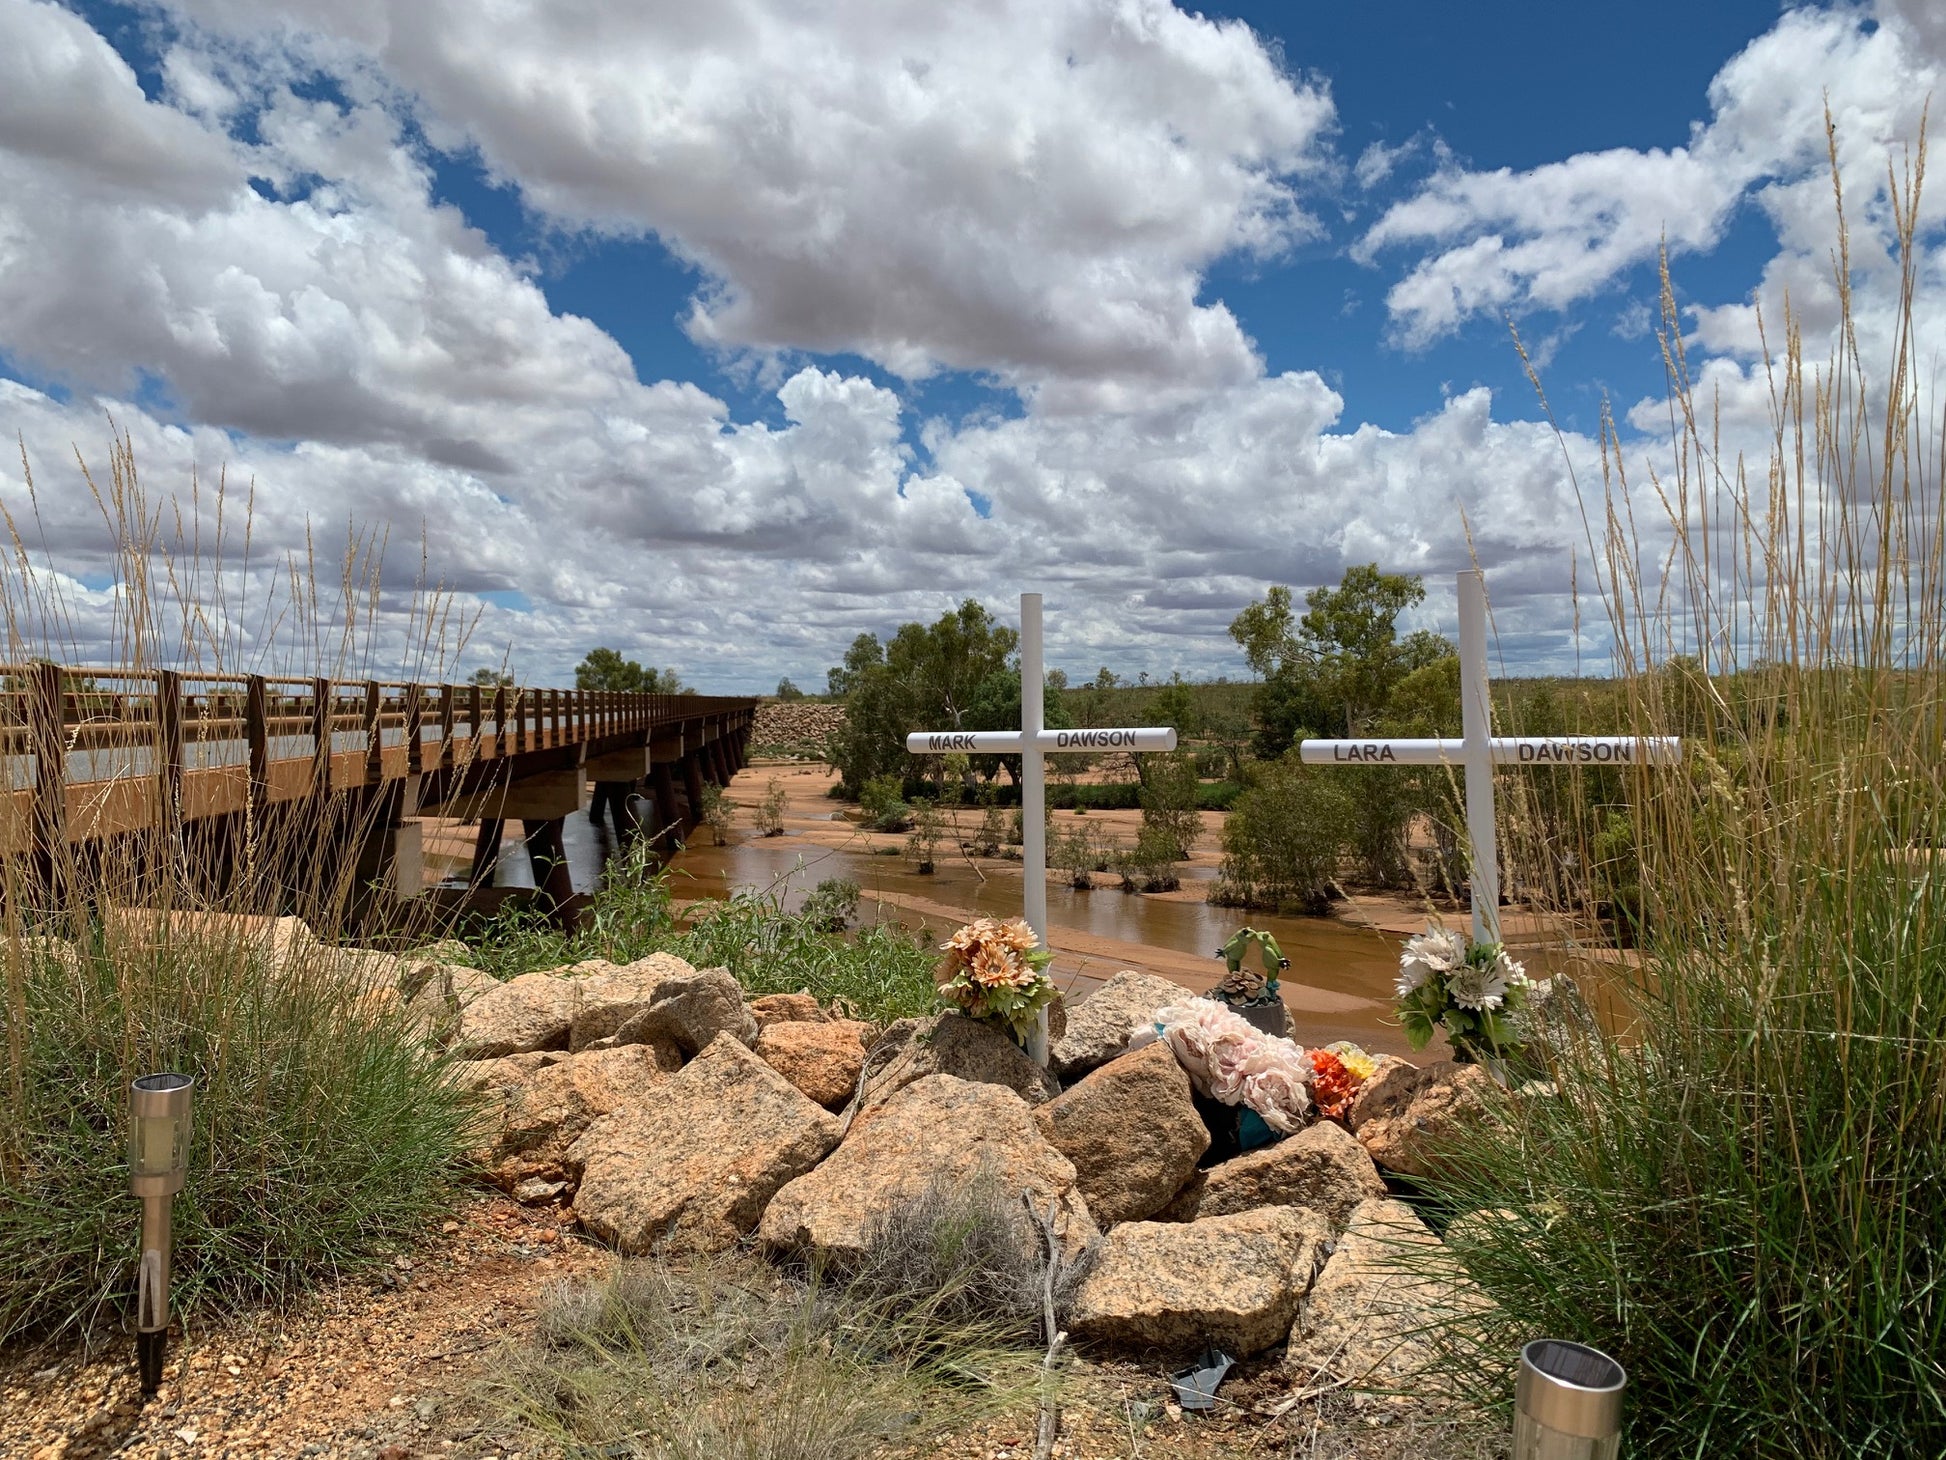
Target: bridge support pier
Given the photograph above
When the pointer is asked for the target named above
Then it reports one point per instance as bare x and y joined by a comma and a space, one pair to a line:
486, 851
692, 774
667, 826
548, 852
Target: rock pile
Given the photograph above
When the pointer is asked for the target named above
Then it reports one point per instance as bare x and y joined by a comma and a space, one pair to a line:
794, 728
672, 1115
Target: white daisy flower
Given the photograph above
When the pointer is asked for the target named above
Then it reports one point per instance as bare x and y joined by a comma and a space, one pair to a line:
1434, 951
1477, 988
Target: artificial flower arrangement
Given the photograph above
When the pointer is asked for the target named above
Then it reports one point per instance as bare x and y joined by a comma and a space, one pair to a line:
1470, 988
997, 972
1233, 1062
1337, 1072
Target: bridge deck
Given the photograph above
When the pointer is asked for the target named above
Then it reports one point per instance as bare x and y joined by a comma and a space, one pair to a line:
94, 752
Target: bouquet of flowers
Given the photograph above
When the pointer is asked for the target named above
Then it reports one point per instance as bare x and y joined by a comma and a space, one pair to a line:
997, 972
1337, 1072
1232, 1061
1470, 988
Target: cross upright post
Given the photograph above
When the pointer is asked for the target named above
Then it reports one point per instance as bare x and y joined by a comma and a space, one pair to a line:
1033, 768
1480, 750
1031, 743
1476, 724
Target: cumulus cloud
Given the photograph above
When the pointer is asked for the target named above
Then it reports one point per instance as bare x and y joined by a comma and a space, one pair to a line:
252, 272
1026, 187
1553, 236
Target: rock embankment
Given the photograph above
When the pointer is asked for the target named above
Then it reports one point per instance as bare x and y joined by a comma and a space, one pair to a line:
668, 1114
795, 728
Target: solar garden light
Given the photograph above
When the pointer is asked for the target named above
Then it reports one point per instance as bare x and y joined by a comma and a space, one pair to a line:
1568, 1403
158, 1153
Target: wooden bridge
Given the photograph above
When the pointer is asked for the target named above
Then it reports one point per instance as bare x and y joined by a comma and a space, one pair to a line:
197, 765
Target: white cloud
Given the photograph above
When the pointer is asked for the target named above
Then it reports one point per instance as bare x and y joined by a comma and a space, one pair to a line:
1027, 187
1032, 191
1553, 236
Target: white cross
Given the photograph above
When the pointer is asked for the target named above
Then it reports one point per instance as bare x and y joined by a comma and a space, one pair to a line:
1481, 750
1031, 742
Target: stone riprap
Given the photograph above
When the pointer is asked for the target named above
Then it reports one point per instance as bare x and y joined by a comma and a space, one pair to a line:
1131, 1130
1173, 1287
673, 1115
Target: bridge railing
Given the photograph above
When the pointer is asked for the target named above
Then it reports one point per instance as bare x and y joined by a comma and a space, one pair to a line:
91, 750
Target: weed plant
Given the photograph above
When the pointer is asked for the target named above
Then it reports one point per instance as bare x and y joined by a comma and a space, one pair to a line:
881, 972
1740, 1193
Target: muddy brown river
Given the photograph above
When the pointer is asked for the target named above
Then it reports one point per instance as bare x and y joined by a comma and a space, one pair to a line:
1339, 985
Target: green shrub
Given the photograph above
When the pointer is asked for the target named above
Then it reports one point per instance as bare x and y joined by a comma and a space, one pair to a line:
770, 811
324, 1134
1285, 838
928, 831
629, 917
831, 905
883, 802
1170, 818
717, 812
882, 972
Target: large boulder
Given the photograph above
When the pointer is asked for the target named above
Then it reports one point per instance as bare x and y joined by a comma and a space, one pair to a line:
690, 1010
1321, 1167
1099, 1025
938, 1129
1386, 1091
531, 1012
1403, 1121
694, 1168
1131, 1130
1369, 1319
951, 1044
607, 996
499, 1075
822, 1060
538, 1117
1231, 1281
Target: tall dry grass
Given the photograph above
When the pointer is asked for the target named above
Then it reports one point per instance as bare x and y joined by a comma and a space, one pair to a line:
324, 1133
1742, 1192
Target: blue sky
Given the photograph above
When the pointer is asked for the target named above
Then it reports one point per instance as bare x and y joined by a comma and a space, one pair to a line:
723, 337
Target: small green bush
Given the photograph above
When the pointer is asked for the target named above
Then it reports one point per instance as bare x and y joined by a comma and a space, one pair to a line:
881, 973
770, 811
1285, 839
883, 802
831, 905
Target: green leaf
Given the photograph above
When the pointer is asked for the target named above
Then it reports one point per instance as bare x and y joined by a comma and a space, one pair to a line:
1418, 1028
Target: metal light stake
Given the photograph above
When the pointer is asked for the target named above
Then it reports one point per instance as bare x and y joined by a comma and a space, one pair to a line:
158, 1157
1568, 1403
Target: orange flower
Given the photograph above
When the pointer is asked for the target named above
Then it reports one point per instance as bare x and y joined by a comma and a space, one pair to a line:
999, 968
1332, 1085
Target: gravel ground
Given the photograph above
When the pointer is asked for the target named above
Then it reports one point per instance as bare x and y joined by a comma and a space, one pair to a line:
390, 1368
375, 1370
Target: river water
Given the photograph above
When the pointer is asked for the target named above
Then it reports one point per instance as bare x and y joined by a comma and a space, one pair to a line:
1339, 985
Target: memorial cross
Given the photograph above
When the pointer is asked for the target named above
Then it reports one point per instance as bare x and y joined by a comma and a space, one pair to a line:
1480, 750
1031, 742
